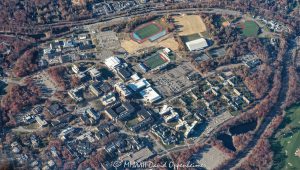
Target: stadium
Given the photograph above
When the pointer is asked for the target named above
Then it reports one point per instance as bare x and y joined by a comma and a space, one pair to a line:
158, 60
150, 31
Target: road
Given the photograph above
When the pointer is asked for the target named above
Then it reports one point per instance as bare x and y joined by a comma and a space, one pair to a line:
275, 110
110, 20
11, 81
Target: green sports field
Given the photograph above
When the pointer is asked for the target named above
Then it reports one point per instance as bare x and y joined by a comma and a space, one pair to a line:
154, 61
147, 31
287, 140
250, 29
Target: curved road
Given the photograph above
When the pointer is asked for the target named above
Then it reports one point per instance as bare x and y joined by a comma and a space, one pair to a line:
277, 108
121, 17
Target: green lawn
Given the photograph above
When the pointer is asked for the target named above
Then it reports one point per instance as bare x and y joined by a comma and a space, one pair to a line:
250, 29
147, 31
287, 140
154, 61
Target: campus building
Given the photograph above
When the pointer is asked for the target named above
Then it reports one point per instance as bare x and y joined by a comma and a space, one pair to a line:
197, 44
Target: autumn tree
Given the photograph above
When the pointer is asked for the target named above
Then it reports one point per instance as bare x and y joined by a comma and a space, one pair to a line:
293, 94
26, 64
18, 97
58, 76
259, 82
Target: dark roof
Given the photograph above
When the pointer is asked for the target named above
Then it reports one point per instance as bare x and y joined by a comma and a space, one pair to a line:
124, 73
55, 109
129, 107
144, 113
106, 87
37, 109
52, 55
120, 110
84, 147
66, 118
65, 58
85, 119
112, 113
142, 125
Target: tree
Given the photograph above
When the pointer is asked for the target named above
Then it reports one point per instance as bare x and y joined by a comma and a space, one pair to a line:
75, 81
26, 64
259, 82
293, 94
58, 76
240, 141
18, 97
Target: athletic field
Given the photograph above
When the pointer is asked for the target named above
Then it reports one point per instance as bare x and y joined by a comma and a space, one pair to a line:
154, 61
147, 31
250, 29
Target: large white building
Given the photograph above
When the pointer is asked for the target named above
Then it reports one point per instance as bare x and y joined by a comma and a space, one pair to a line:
197, 44
138, 85
150, 95
112, 62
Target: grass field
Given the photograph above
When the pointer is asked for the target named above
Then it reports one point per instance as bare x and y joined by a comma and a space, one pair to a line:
189, 24
250, 29
147, 31
154, 61
287, 140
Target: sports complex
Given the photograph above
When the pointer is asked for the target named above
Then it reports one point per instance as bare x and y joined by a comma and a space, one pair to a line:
150, 31
158, 60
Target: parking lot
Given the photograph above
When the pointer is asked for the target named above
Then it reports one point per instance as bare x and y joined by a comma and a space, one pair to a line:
106, 40
173, 81
210, 158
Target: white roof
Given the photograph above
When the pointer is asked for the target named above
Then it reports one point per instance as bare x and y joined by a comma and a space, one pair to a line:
197, 44
150, 95
167, 50
139, 84
165, 110
112, 62
40, 121
94, 72
135, 77
82, 36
